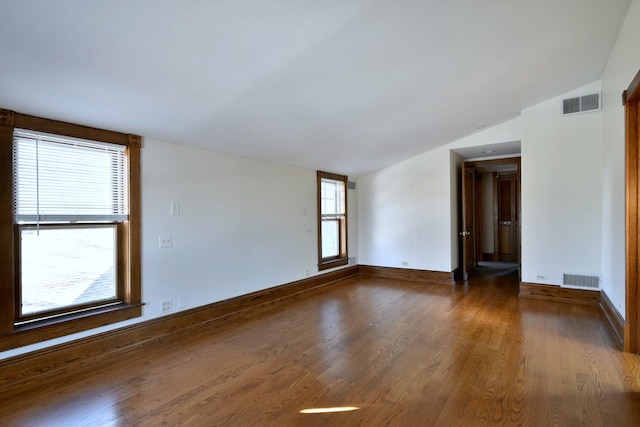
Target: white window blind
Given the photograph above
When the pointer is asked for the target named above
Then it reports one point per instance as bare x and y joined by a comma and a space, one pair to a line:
68, 180
333, 199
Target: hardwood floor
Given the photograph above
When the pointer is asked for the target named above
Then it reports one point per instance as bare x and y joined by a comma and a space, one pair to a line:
404, 353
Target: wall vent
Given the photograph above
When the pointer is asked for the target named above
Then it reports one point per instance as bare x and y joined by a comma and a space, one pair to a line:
581, 104
351, 185
580, 281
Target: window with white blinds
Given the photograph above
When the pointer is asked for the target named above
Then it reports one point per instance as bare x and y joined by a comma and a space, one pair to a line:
69, 195
70, 228
58, 180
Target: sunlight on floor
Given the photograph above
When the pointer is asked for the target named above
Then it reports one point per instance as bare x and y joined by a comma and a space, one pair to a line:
329, 410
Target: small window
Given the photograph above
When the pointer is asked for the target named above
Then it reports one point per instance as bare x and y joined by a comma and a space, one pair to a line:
332, 220
72, 261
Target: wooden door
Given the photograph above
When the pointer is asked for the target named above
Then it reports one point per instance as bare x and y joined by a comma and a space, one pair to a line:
468, 217
507, 217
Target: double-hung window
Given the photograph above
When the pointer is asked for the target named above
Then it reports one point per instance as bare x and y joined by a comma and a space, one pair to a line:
74, 227
332, 220
70, 199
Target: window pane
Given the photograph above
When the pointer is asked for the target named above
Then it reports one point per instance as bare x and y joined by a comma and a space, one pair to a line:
329, 197
69, 266
330, 238
332, 197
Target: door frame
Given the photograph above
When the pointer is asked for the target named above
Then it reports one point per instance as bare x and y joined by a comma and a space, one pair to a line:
469, 211
474, 204
631, 101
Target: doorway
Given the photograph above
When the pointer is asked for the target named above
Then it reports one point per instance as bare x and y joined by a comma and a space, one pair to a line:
490, 215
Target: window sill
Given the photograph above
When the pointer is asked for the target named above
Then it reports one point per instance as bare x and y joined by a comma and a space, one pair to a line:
325, 265
44, 330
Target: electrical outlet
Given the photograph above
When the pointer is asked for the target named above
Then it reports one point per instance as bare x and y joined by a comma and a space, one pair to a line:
175, 208
540, 276
182, 301
405, 263
306, 272
165, 241
165, 306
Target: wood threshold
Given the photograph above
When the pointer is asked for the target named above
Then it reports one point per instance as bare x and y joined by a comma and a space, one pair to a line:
559, 294
86, 351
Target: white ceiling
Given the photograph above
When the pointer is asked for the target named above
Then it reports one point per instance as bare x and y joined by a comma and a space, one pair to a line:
346, 86
498, 150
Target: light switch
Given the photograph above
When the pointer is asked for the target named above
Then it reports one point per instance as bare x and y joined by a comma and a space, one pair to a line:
175, 208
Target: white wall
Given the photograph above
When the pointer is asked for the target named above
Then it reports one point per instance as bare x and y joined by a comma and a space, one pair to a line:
623, 65
242, 228
501, 133
455, 188
409, 211
561, 191
561, 198
404, 214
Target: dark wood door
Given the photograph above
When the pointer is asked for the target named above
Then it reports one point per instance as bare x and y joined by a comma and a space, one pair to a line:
467, 233
508, 217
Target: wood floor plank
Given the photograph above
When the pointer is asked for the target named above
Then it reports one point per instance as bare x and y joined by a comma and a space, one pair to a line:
404, 353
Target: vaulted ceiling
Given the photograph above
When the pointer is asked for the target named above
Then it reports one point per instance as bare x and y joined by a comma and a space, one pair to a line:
346, 86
